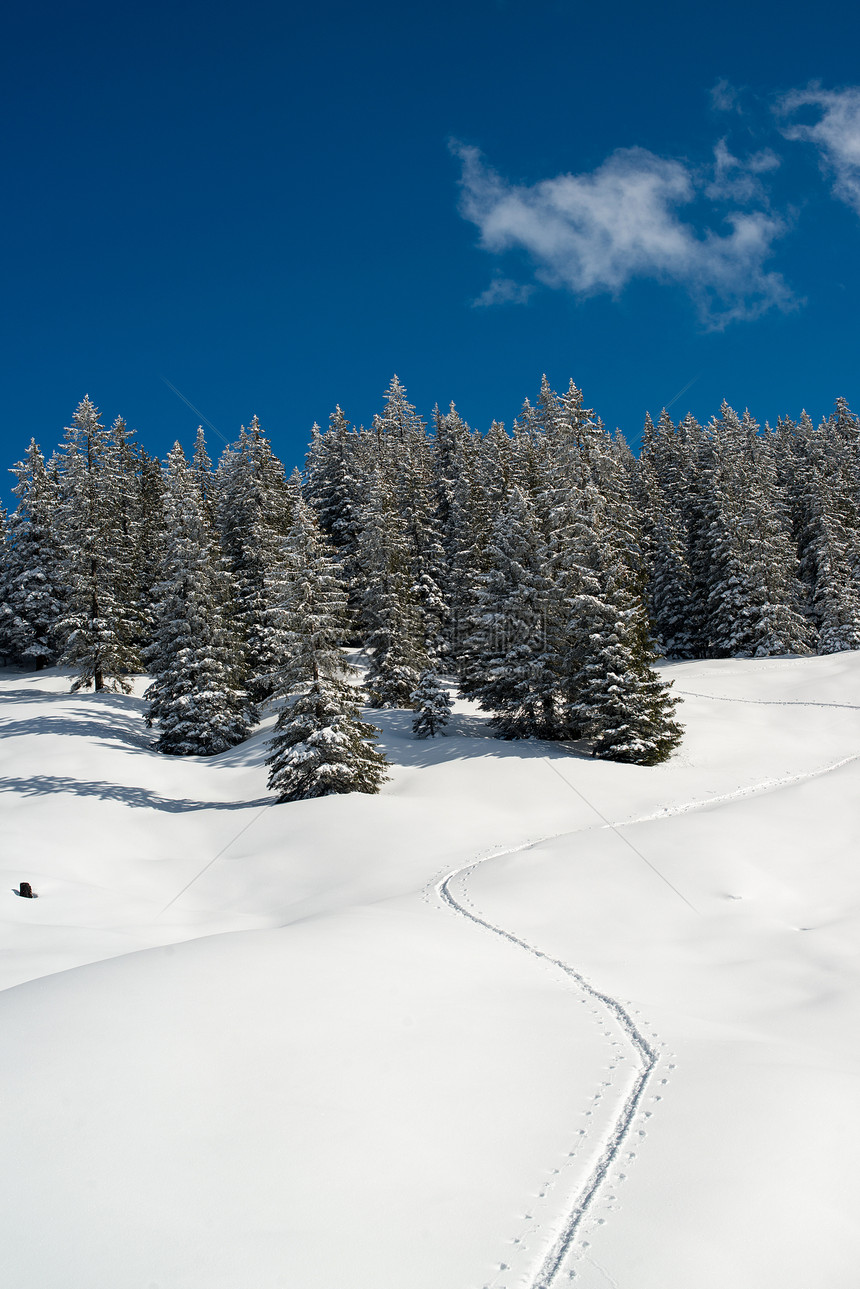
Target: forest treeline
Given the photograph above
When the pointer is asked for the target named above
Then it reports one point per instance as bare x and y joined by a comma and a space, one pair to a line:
544, 570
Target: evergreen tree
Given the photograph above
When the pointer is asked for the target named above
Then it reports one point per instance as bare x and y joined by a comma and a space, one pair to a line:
151, 544
7, 649
197, 698
624, 708
331, 485
670, 582
827, 544
510, 670
98, 621
119, 487
432, 704
204, 475
754, 599
33, 588
319, 745
253, 504
393, 628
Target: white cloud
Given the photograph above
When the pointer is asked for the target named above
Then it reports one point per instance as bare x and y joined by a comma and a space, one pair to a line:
738, 180
595, 232
504, 290
836, 133
725, 97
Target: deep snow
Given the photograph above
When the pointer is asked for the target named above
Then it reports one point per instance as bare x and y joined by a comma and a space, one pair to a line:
247, 1044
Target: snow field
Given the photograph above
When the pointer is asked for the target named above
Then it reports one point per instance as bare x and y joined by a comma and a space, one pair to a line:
317, 1072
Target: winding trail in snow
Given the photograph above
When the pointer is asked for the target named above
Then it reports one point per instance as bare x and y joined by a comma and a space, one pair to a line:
645, 1054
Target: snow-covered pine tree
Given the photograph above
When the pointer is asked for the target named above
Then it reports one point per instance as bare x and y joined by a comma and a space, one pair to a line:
197, 697
623, 706
7, 650
405, 455
827, 539
33, 588
97, 624
669, 593
532, 444
204, 475
319, 745
452, 442
120, 482
392, 626
427, 570
331, 486
432, 704
150, 545
511, 671
253, 503
473, 509
754, 598
598, 627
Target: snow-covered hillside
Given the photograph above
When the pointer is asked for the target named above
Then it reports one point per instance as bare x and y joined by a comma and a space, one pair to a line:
523, 1019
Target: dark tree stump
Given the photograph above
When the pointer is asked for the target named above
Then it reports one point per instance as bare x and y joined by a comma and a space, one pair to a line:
26, 890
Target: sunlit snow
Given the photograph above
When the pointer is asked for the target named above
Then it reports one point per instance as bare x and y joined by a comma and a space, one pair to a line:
391, 1042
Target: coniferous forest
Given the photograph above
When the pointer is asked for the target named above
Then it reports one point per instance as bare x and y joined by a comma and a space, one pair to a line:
544, 570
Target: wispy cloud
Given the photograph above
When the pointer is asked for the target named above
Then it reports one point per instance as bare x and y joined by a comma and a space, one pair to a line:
726, 97
835, 132
595, 232
737, 179
504, 290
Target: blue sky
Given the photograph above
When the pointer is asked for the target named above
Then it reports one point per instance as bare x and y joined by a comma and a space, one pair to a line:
276, 207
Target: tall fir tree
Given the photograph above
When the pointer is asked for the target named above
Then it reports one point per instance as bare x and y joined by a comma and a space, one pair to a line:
754, 598
511, 671
624, 708
392, 625
98, 622
253, 505
319, 745
432, 704
33, 586
197, 698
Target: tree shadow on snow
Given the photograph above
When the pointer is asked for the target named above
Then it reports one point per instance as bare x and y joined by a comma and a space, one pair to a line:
119, 729
43, 785
466, 737
117, 726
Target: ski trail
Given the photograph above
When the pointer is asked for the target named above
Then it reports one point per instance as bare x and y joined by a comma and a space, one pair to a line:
647, 1057
646, 1054
767, 702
